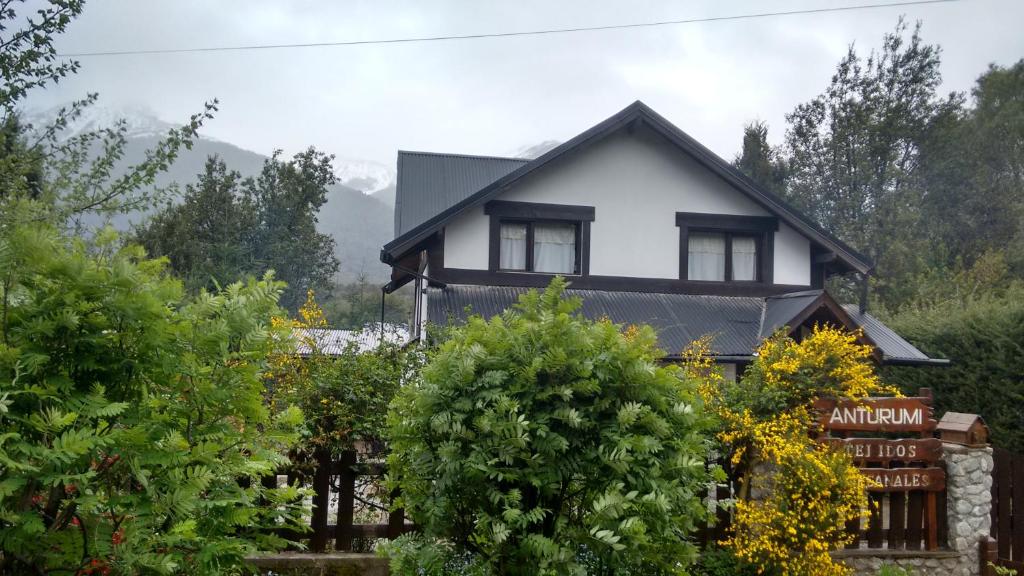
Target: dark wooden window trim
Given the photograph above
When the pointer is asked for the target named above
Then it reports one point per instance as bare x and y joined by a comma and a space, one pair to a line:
531, 213
761, 228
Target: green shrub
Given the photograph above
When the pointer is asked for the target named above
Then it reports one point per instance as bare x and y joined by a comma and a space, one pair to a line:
545, 443
984, 340
716, 561
134, 432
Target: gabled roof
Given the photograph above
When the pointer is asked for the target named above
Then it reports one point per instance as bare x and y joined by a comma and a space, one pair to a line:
636, 113
737, 325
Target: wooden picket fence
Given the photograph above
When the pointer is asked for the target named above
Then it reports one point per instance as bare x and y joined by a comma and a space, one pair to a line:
1008, 509
336, 480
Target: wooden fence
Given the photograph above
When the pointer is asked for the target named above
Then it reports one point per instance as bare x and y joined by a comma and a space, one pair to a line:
337, 481
899, 521
1008, 509
902, 521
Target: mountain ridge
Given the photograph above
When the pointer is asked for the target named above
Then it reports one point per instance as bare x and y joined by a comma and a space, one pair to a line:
359, 222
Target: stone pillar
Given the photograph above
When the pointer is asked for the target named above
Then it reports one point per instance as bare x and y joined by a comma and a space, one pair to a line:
969, 499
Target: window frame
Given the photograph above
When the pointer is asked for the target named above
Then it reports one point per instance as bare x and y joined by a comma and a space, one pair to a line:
761, 228
530, 214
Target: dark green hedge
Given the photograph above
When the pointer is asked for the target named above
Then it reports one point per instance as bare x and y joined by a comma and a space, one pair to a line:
984, 339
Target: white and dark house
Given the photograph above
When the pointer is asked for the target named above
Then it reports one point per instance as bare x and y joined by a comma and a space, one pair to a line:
647, 224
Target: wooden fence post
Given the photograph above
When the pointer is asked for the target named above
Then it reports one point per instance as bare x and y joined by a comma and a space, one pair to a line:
321, 501
343, 529
396, 519
987, 553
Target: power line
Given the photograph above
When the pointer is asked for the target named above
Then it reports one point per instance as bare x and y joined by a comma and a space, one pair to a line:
502, 34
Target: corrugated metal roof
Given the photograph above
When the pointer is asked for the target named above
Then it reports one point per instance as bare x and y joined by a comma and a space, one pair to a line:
679, 319
780, 310
334, 342
430, 183
736, 324
893, 346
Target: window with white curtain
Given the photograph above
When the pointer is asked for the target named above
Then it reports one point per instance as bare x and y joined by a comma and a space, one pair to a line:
554, 248
513, 246
546, 247
744, 258
706, 257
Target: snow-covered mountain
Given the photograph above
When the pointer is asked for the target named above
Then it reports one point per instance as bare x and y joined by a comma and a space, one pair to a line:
139, 122
366, 176
535, 150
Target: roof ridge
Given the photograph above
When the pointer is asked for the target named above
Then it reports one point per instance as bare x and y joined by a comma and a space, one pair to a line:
798, 294
460, 155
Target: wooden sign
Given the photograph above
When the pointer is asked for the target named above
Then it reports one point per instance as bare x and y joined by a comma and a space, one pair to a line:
885, 451
875, 415
906, 479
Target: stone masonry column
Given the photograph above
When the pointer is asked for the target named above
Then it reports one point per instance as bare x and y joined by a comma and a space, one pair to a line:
969, 500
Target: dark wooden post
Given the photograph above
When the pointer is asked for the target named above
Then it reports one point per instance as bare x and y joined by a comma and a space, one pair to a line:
396, 519
321, 501
931, 522
897, 519
987, 554
875, 522
343, 531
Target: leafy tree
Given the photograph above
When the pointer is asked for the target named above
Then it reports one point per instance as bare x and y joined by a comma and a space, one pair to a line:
760, 161
973, 173
853, 150
287, 197
134, 428
228, 227
544, 443
208, 236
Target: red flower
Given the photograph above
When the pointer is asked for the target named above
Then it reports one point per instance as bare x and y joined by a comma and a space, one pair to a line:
74, 522
118, 536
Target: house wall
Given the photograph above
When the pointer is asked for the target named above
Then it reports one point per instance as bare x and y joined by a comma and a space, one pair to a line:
636, 183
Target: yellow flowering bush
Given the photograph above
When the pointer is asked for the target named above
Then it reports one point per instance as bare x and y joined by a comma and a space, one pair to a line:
805, 492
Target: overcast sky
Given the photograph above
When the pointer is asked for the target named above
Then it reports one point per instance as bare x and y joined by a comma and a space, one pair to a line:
494, 96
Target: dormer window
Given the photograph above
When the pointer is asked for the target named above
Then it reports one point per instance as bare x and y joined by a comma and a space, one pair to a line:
723, 248
547, 247
539, 238
721, 256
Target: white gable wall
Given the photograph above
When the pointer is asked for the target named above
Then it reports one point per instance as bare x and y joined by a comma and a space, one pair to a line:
636, 184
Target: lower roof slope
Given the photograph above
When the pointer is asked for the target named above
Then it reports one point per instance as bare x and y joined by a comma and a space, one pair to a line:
736, 324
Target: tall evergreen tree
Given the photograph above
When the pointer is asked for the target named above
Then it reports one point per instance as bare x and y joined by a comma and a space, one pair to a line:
287, 197
760, 161
208, 236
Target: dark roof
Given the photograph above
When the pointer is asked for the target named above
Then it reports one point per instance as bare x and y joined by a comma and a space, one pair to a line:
780, 310
896, 349
430, 183
736, 324
638, 112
